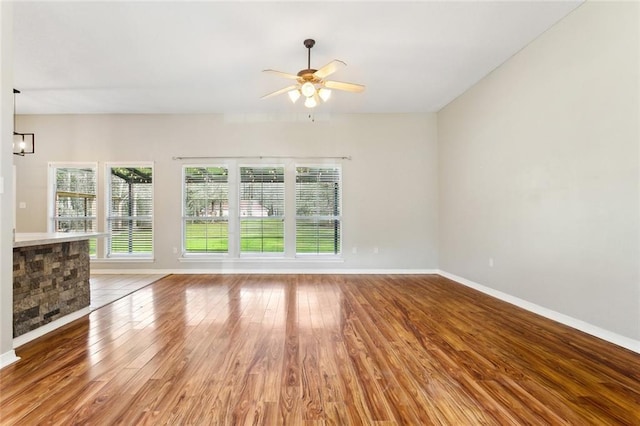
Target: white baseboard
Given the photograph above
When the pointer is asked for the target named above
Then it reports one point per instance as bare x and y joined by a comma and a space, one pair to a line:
8, 358
609, 336
41, 331
267, 271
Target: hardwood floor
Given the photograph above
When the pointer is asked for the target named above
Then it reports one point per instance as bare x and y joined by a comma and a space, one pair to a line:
107, 288
316, 350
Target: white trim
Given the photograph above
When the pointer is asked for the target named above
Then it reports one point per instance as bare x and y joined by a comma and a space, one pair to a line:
47, 328
8, 358
302, 271
52, 167
609, 336
223, 165
258, 259
108, 260
263, 157
205, 257
107, 210
339, 217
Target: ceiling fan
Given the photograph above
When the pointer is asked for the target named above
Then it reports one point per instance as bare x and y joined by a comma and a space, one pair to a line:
311, 83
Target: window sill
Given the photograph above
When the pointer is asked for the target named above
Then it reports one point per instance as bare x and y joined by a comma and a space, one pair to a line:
124, 260
265, 259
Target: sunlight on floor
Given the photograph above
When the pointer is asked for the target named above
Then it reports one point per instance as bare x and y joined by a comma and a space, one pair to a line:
107, 288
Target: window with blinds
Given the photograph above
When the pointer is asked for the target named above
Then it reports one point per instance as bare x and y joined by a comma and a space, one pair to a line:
261, 209
205, 226
130, 210
318, 215
74, 197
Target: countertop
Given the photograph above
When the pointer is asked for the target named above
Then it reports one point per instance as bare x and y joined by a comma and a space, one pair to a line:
26, 239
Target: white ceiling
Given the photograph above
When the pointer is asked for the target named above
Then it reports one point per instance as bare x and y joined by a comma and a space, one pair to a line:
192, 57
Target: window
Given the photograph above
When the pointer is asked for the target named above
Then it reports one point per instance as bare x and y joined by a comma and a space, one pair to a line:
261, 209
206, 210
238, 210
130, 210
318, 220
74, 200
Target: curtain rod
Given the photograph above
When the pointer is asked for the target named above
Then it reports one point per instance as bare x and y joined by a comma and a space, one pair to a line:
241, 157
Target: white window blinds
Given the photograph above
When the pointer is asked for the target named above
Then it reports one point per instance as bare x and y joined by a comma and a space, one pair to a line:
130, 210
206, 210
261, 209
74, 198
318, 211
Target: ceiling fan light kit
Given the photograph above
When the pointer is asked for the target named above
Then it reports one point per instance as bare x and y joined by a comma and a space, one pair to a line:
294, 95
308, 89
324, 94
311, 83
310, 102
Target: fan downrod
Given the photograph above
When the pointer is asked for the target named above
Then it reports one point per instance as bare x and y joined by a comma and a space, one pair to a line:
307, 75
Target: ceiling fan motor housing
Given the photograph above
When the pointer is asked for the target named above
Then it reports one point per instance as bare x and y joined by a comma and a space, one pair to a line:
307, 75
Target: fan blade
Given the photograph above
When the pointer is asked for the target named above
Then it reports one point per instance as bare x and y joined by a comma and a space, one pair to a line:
277, 92
347, 87
282, 74
330, 68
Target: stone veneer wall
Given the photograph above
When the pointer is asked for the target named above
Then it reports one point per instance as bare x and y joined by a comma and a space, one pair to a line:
49, 282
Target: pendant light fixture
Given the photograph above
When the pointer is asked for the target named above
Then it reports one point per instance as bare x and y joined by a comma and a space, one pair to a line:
23, 143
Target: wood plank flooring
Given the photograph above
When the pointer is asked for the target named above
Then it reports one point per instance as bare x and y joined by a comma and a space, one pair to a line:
107, 288
317, 350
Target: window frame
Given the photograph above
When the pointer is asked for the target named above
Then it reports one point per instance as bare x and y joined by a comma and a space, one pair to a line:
52, 190
282, 217
234, 166
339, 217
107, 210
185, 218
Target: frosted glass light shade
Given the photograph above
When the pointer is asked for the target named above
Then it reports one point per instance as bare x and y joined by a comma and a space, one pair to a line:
310, 102
325, 94
294, 95
308, 89
18, 141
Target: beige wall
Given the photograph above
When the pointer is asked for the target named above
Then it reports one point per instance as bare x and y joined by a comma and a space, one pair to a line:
389, 186
539, 171
6, 194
